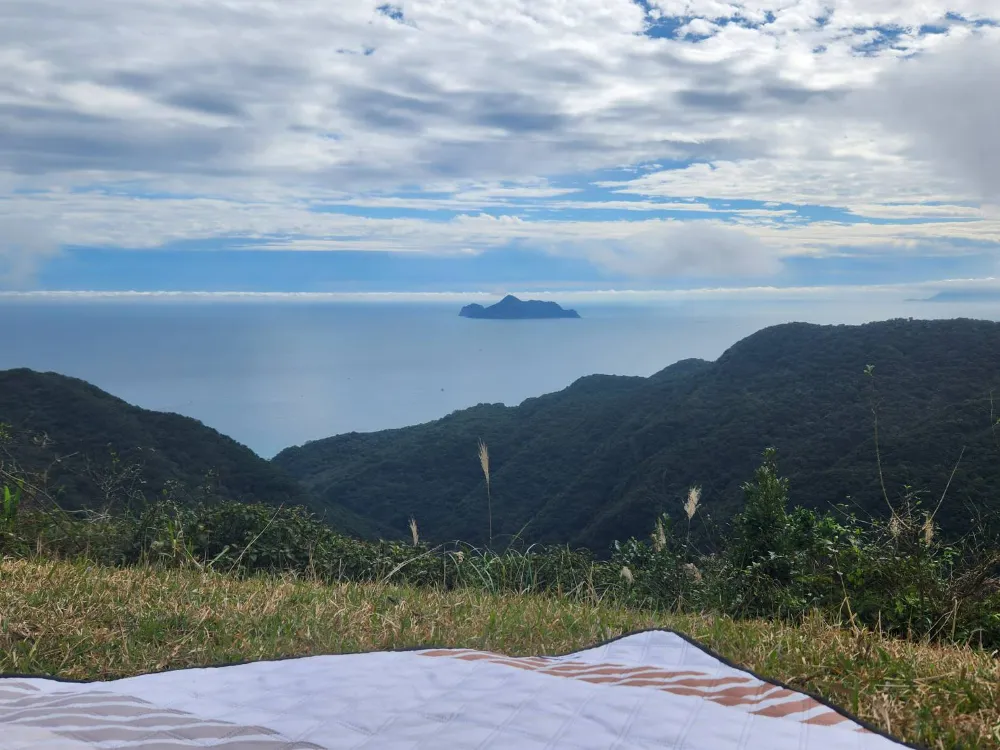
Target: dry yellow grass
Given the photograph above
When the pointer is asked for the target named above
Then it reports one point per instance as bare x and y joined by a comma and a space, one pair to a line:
71, 620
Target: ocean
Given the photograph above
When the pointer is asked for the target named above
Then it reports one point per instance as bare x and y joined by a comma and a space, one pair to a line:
271, 374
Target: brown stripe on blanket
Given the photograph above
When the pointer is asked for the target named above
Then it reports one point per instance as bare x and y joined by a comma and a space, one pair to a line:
103, 717
737, 691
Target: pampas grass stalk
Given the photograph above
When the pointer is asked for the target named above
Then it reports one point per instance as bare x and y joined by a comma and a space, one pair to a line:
691, 507
659, 536
928, 530
484, 463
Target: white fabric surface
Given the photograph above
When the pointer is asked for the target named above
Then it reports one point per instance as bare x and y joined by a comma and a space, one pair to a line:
647, 690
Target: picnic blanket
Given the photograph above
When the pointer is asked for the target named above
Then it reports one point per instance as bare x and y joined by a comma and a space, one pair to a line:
653, 689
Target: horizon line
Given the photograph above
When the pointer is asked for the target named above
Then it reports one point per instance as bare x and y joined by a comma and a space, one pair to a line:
594, 295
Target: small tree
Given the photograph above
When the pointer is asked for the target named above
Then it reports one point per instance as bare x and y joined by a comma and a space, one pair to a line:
759, 529
758, 553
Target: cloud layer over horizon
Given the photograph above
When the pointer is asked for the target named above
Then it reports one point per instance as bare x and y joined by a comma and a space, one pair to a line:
612, 143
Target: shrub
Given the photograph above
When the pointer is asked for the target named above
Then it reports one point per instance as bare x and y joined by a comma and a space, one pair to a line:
896, 574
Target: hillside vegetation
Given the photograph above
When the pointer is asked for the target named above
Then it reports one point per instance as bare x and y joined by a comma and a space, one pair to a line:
94, 451
603, 458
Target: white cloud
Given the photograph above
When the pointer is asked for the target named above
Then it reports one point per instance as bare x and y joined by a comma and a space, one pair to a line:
916, 211
697, 27
24, 245
846, 174
252, 112
948, 104
96, 220
676, 248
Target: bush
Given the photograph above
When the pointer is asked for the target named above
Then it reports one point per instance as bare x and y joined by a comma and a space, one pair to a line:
653, 573
895, 575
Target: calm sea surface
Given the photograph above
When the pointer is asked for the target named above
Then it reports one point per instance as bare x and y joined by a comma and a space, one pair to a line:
277, 373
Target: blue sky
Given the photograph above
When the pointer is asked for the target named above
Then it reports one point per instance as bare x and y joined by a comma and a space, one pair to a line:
437, 146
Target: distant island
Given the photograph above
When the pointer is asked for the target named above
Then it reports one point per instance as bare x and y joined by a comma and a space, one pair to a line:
512, 308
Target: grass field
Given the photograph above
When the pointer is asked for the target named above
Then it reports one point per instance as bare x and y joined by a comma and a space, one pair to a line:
80, 621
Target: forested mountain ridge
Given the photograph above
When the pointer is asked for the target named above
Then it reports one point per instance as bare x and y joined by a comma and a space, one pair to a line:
599, 460
596, 461
71, 430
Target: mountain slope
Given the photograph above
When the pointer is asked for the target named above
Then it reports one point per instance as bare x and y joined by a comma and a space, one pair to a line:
53, 416
598, 460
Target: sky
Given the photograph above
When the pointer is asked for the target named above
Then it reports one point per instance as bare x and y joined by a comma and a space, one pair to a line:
433, 146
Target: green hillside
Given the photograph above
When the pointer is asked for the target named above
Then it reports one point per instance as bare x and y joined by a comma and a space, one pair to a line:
599, 460
70, 429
